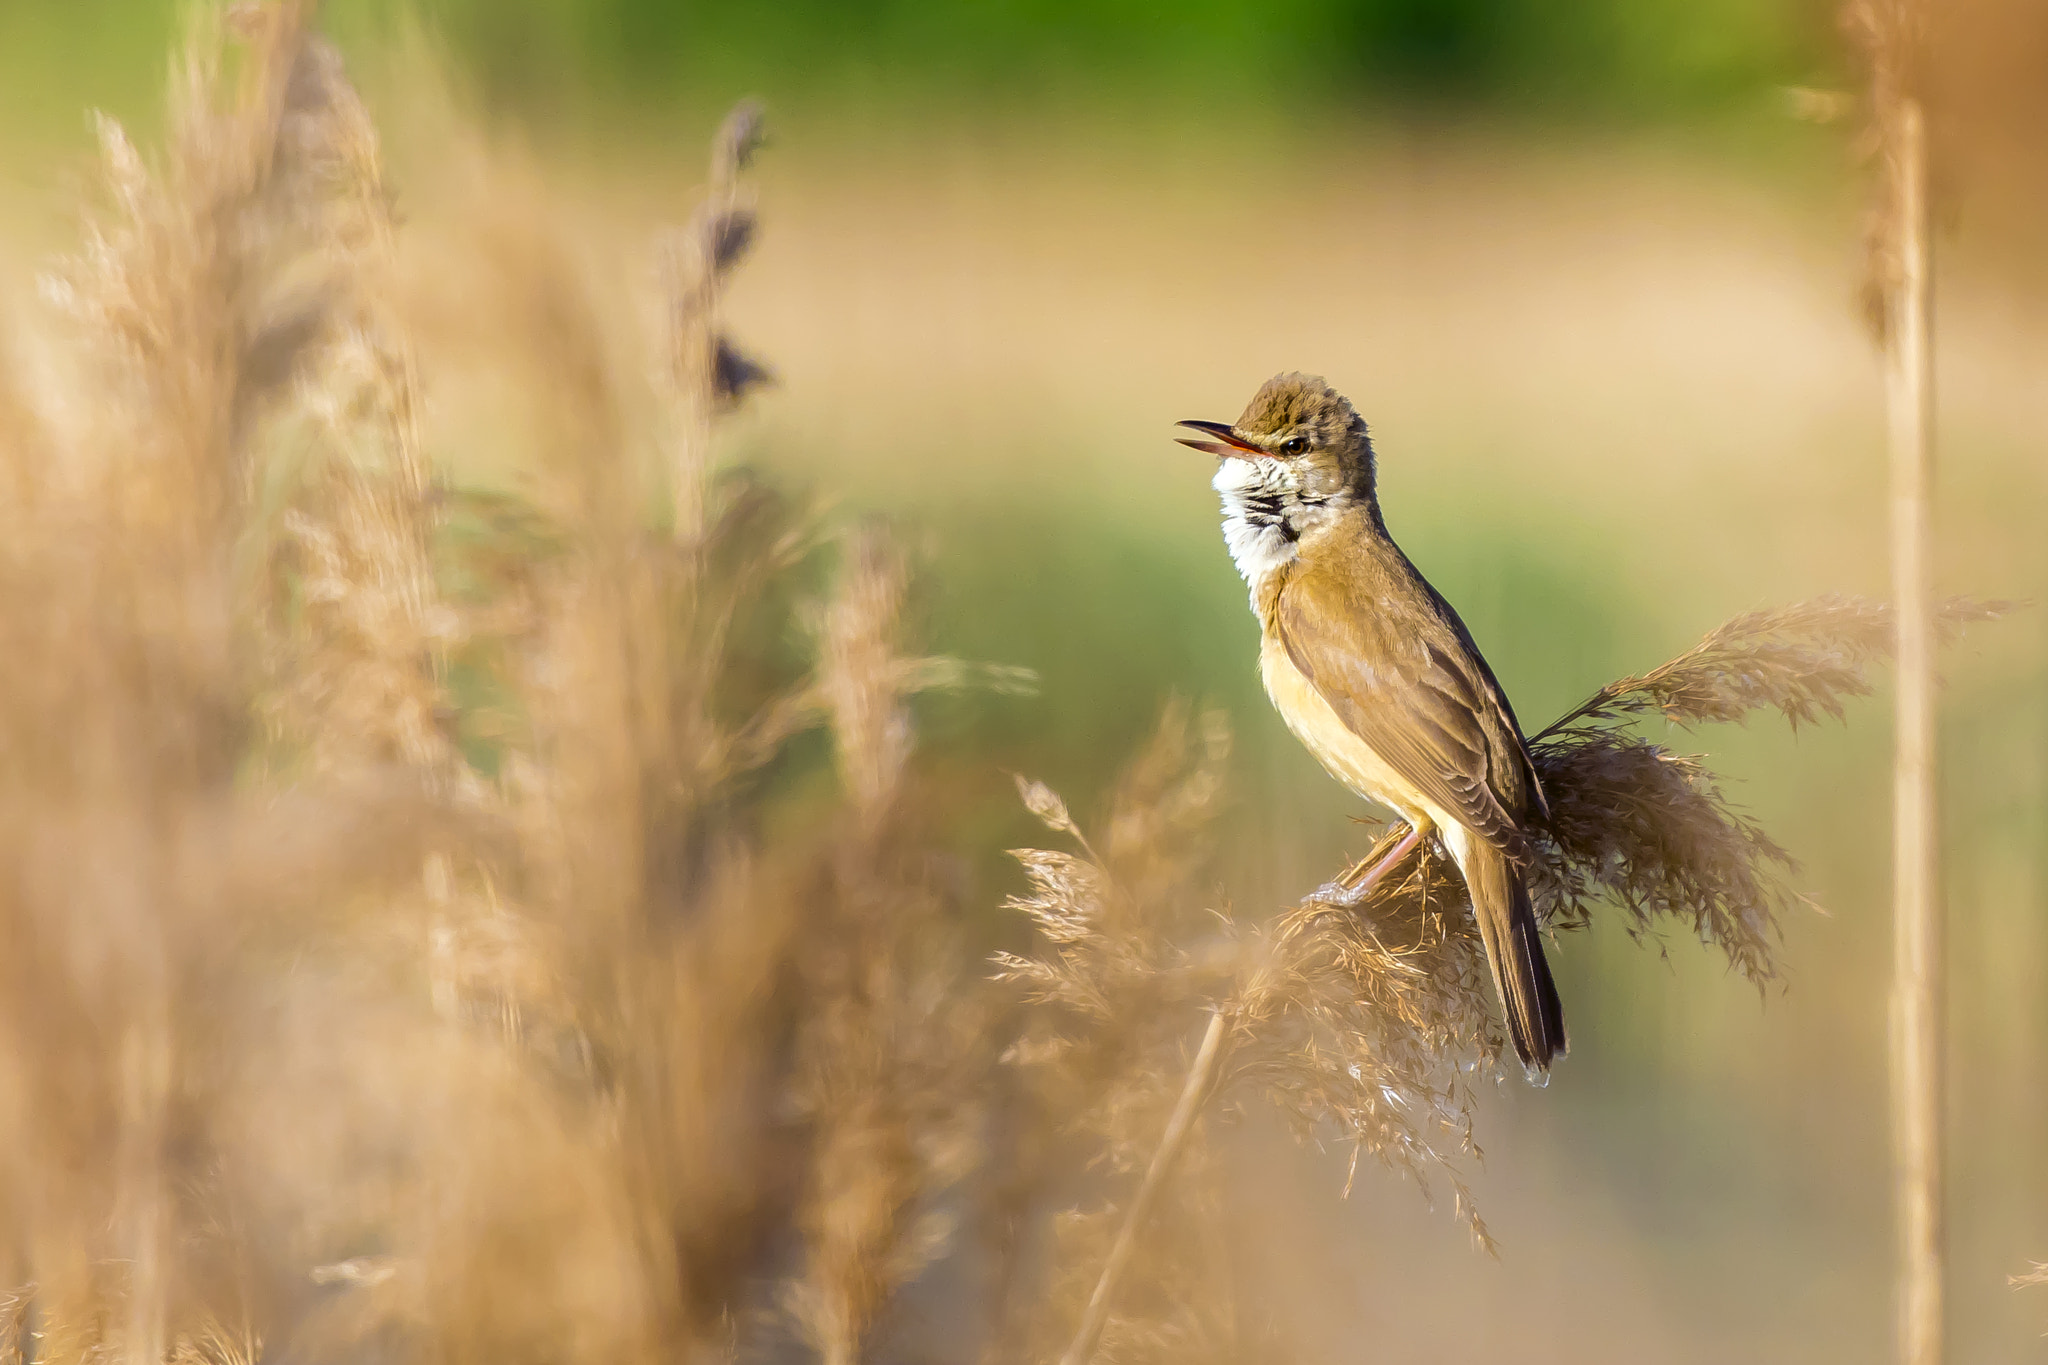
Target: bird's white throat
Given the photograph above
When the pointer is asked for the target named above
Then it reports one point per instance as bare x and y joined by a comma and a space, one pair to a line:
1265, 514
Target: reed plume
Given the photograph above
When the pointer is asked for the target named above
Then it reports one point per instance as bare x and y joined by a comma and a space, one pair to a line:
137, 861
893, 1056
1125, 966
476, 771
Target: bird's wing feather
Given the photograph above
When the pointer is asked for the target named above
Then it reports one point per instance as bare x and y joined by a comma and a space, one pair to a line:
1404, 682
1509, 751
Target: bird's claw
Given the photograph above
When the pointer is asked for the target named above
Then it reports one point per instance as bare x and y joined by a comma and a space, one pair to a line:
1338, 896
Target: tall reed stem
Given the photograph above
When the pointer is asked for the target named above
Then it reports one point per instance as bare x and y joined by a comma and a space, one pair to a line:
1201, 1076
1194, 1092
1916, 1010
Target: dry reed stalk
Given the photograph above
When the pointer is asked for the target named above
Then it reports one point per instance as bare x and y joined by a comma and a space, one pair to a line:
165, 299
779, 1035
1918, 993
1112, 1001
887, 1079
14, 1328
708, 373
862, 1080
245, 262
136, 865
585, 1094
360, 640
894, 1056
671, 946
1901, 291
1375, 1022
1179, 1126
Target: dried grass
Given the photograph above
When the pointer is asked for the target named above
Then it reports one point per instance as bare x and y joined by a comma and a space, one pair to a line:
1801, 661
360, 1012
1891, 36
1128, 961
132, 848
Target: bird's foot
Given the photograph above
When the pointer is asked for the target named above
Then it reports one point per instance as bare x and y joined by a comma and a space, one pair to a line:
1351, 889
1339, 895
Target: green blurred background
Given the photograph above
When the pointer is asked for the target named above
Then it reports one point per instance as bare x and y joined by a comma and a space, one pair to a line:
1596, 57
1592, 283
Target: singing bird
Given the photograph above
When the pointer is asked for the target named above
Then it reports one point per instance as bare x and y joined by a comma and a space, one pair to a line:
1374, 672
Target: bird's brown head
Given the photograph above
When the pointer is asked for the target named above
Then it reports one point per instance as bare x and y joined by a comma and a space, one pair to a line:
1297, 464
1310, 429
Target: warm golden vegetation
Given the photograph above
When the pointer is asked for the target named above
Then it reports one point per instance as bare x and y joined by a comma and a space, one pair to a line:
500, 924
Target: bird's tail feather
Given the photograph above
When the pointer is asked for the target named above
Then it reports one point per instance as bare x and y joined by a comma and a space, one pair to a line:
1514, 950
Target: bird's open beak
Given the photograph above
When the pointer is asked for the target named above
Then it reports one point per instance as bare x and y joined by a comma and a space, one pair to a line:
1229, 442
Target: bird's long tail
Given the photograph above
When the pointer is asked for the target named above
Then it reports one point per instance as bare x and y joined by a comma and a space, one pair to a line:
1514, 950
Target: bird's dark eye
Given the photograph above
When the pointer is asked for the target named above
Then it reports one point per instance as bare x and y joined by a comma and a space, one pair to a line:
1294, 445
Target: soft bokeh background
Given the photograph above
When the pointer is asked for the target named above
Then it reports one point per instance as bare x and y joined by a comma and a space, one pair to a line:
1592, 282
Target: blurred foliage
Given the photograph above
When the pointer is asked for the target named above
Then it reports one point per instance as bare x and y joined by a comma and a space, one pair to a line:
1614, 57
1594, 53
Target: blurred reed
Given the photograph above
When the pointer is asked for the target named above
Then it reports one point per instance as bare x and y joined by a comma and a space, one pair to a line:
402, 947
1900, 300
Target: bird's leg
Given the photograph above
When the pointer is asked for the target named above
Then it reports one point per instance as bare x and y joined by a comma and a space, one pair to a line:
1349, 891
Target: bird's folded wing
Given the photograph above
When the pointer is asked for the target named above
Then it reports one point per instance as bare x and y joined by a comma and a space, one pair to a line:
1409, 696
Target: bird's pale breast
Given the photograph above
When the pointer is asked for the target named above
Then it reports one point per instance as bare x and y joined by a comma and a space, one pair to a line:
1348, 758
